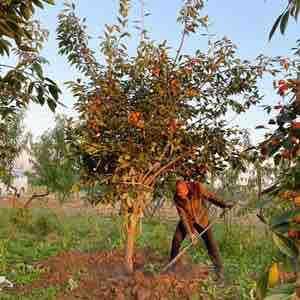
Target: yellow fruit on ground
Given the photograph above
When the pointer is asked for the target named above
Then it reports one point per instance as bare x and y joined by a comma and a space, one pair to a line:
274, 275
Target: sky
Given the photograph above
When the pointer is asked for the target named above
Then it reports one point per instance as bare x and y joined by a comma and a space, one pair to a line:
246, 23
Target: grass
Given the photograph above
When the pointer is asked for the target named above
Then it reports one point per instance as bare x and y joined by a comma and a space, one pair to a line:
31, 237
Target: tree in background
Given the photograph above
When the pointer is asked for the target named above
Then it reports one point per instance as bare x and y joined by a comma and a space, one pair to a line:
23, 36
148, 116
53, 167
12, 141
25, 82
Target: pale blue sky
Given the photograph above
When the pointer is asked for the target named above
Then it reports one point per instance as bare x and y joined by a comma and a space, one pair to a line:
246, 23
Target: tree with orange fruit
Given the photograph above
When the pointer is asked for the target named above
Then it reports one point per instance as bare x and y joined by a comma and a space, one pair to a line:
283, 145
143, 118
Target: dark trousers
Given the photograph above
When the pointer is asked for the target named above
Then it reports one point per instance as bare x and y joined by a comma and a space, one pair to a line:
210, 243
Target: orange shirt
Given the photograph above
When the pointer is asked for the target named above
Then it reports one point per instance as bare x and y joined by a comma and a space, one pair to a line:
193, 208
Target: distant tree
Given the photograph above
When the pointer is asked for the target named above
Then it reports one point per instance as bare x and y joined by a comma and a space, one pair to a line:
53, 167
15, 16
22, 37
12, 141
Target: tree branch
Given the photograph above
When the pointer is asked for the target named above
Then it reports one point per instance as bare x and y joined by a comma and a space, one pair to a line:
162, 169
35, 196
19, 70
184, 32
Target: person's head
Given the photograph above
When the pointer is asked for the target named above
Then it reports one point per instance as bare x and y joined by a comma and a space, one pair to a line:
182, 189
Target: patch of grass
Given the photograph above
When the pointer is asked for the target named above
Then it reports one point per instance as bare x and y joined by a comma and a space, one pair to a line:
38, 294
245, 250
22, 273
156, 235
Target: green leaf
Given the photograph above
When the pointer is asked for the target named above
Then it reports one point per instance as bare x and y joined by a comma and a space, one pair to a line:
285, 245
284, 22
282, 228
297, 9
38, 69
52, 104
38, 3
40, 96
260, 127
4, 46
262, 285
54, 91
274, 27
30, 87
288, 288
51, 2
279, 297
50, 80
285, 217
294, 226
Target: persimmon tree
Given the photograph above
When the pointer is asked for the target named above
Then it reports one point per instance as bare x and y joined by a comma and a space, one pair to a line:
146, 116
281, 211
282, 143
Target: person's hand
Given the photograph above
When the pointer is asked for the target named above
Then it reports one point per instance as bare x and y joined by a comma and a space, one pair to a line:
194, 238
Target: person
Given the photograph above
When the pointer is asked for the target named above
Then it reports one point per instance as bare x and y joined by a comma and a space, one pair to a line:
191, 199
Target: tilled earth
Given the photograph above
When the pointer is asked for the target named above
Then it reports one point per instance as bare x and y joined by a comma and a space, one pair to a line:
101, 275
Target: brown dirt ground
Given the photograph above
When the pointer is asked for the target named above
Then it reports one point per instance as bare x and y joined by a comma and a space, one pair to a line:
101, 275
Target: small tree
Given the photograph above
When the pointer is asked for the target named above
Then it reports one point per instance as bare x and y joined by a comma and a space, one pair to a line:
53, 167
144, 117
12, 141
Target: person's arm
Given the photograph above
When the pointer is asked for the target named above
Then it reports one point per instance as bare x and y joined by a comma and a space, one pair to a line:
186, 220
213, 198
184, 216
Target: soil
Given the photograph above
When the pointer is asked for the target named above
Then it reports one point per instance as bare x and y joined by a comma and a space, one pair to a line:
101, 275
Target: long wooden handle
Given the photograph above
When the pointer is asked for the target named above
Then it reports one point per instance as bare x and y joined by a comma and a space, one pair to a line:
175, 259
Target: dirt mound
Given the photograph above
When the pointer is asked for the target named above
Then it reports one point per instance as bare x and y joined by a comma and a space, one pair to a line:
102, 276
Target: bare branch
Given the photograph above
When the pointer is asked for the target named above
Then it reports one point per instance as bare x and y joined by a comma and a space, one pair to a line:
35, 196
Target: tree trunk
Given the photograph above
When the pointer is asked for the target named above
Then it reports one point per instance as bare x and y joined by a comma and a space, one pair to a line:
134, 208
131, 235
259, 181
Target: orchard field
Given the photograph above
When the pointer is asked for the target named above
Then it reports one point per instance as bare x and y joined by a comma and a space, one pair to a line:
49, 255
110, 116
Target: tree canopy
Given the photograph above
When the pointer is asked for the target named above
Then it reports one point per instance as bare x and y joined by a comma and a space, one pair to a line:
152, 114
21, 37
